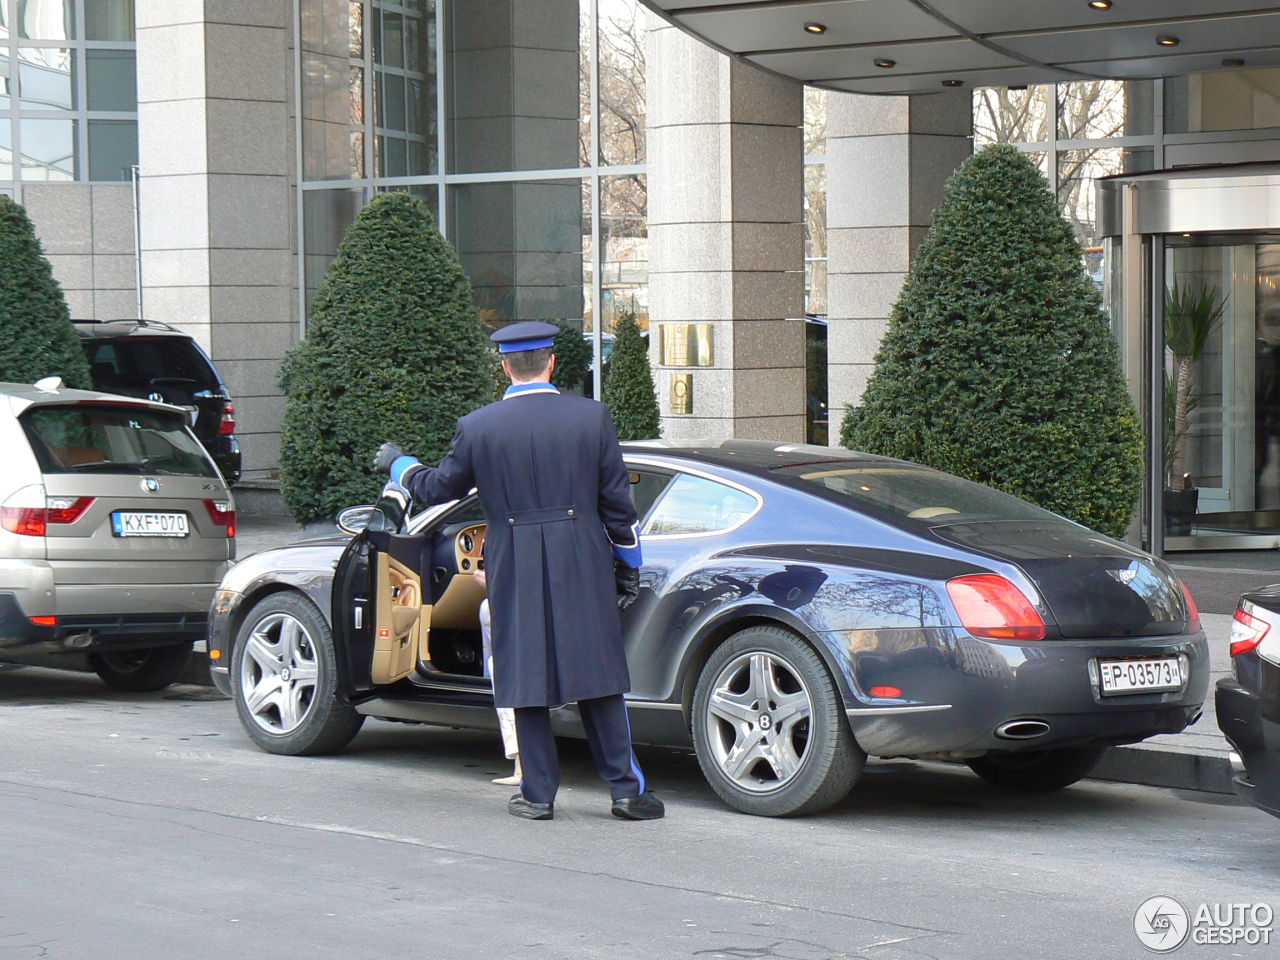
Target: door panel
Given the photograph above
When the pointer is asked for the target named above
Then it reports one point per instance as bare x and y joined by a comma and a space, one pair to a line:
400, 620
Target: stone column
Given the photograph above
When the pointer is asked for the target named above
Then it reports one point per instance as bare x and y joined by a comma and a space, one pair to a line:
888, 159
215, 152
726, 171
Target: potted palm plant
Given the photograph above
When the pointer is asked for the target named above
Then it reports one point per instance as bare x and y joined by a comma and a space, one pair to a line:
1191, 315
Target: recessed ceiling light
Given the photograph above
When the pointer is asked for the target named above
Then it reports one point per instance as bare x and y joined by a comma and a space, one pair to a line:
1100, 4
1233, 62
1168, 41
885, 64
818, 29
953, 83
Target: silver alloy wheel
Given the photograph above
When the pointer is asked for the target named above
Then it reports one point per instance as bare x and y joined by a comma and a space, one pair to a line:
758, 719
278, 673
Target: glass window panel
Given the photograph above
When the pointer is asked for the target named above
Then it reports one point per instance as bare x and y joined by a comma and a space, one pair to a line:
392, 40
394, 157
1077, 171
1230, 100
113, 149
111, 79
391, 115
516, 103
623, 26
48, 149
815, 239
5, 80
332, 91
694, 505
47, 19
4, 20
46, 78
6, 150
624, 235
1010, 115
815, 121
326, 215
355, 29
523, 246
108, 20
1098, 109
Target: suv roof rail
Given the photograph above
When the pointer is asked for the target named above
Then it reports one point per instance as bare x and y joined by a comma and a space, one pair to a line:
155, 324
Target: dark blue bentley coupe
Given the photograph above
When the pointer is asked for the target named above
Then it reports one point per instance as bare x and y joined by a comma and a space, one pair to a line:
801, 608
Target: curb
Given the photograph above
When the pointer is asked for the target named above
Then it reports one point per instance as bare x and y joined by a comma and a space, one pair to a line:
1164, 768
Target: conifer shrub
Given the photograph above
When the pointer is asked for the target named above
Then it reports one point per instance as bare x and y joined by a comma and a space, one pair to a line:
394, 351
37, 339
628, 390
999, 364
573, 357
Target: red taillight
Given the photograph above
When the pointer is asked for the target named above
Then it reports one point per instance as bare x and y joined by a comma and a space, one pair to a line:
228, 424
28, 512
1247, 631
1193, 615
885, 692
991, 606
44, 621
222, 514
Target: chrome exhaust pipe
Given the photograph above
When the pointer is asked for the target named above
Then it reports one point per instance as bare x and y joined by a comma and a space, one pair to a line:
1022, 729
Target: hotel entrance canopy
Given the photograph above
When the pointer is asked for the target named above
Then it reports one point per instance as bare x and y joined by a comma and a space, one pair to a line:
924, 46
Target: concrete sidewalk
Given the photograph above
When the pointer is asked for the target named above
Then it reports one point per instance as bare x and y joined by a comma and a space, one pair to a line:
1195, 759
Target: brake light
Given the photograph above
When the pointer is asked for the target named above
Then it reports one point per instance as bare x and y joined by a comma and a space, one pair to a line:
222, 514
228, 424
1193, 615
991, 606
29, 512
1247, 631
44, 621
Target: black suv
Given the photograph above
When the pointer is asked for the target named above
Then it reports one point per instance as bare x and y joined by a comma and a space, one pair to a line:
142, 358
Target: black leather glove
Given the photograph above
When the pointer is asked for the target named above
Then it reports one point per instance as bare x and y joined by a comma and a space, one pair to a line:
387, 455
628, 581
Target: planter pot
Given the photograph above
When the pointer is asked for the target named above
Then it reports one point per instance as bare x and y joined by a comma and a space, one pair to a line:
1180, 511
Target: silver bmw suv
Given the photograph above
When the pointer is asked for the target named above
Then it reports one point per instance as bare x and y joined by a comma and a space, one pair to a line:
116, 529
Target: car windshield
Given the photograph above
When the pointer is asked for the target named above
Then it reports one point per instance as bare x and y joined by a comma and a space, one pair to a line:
87, 438
133, 364
929, 497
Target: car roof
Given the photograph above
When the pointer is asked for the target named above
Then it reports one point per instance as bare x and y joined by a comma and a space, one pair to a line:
28, 395
752, 456
97, 329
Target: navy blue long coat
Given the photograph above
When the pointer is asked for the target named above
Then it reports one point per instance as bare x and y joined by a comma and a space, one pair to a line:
556, 497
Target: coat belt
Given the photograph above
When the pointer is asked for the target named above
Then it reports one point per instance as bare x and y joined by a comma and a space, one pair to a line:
543, 515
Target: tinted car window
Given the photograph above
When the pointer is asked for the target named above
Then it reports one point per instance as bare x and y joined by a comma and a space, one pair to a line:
646, 486
916, 493
135, 362
696, 505
92, 439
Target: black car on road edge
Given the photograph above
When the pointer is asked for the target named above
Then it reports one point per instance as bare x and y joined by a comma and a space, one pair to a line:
1248, 701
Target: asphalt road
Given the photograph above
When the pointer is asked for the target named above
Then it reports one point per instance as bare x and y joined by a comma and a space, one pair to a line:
150, 827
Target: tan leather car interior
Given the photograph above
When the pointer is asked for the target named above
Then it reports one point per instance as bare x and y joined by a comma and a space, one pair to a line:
400, 619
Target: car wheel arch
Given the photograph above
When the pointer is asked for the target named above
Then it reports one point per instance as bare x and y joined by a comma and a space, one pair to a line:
251, 600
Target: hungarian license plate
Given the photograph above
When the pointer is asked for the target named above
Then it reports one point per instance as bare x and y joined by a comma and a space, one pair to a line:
126, 523
1139, 676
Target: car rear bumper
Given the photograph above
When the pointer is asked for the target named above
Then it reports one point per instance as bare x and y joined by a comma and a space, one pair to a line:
964, 691
225, 452
1257, 742
20, 637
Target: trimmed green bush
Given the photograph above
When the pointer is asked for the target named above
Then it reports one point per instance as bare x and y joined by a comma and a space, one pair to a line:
37, 339
394, 351
628, 390
999, 364
573, 357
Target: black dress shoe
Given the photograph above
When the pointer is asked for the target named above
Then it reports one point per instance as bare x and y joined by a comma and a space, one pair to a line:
644, 807
518, 806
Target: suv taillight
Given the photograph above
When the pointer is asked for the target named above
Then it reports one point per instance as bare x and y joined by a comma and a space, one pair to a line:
993, 607
222, 514
29, 512
227, 426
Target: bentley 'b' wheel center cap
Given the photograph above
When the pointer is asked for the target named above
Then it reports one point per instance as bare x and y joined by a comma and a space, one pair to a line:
765, 721
285, 674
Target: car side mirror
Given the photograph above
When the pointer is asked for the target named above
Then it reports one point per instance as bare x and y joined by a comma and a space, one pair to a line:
353, 520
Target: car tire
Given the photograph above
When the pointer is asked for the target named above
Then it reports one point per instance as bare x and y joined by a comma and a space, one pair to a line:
141, 671
800, 760
1036, 771
284, 679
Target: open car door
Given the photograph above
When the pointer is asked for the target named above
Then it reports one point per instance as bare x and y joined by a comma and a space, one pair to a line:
379, 610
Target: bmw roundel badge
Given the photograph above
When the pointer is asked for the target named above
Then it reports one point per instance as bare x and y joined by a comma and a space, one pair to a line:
150, 484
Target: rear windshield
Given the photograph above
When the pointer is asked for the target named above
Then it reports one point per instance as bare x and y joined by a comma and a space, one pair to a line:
107, 439
926, 496
133, 364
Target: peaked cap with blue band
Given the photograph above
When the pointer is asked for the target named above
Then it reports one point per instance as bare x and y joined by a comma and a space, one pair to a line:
526, 335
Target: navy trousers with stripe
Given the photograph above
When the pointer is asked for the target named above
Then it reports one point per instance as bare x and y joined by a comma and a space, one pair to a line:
608, 734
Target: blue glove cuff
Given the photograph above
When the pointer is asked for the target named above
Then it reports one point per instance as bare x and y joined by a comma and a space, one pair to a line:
631, 556
399, 465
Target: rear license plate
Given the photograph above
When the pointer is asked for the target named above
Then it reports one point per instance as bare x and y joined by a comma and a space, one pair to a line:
1139, 676
129, 524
